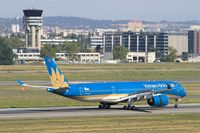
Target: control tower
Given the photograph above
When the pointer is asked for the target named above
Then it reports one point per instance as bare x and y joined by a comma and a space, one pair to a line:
32, 24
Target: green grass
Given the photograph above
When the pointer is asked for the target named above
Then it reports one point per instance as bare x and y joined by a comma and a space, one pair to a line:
173, 123
106, 75
103, 72
15, 97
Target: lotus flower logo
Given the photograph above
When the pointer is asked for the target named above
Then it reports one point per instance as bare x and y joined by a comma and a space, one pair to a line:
58, 79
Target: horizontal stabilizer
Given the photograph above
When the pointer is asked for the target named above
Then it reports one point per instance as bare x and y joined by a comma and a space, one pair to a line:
31, 86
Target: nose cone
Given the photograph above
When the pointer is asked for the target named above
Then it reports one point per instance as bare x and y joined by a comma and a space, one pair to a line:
183, 93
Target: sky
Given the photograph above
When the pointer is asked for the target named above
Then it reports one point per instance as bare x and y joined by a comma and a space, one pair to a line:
151, 10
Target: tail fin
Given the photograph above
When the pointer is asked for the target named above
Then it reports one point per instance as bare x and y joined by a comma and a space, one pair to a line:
58, 80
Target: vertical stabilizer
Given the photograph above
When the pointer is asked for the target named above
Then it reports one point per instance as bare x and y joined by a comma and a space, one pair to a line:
58, 80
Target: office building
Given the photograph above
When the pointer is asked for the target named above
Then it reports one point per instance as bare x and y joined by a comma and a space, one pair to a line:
81, 57
24, 56
194, 42
178, 41
15, 28
56, 41
136, 42
150, 57
96, 40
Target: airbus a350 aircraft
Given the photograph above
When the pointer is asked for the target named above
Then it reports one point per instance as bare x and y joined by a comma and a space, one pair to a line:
156, 93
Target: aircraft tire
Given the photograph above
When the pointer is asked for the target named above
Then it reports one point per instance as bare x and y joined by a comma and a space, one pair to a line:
124, 108
176, 106
101, 107
133, 108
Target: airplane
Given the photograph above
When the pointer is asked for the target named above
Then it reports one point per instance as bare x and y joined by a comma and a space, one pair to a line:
156, 93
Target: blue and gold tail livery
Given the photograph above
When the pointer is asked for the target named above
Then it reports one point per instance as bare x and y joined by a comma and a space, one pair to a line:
58, 80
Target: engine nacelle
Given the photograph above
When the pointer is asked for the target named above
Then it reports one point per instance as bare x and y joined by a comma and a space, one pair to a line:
158, 101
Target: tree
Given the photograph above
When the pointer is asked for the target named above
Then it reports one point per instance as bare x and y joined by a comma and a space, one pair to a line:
172, 55
72, 48
48, 50
6, 54
120, 52
12, 42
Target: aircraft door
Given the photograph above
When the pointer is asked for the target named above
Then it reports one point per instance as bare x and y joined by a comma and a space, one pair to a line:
114, 90
82, 91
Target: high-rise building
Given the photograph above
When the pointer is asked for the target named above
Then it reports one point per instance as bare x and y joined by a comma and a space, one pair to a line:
32, 24
15, 28
96, 41
136, 42
194, 42
178, 41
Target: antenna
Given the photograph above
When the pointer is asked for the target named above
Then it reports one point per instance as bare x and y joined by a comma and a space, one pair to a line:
32, 5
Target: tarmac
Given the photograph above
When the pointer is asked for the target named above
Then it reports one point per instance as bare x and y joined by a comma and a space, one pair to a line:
93, 111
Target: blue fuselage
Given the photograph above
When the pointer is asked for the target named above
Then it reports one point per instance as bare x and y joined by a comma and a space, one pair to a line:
98, 91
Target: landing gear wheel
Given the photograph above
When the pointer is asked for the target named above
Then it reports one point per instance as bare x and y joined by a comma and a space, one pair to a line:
108, 107
129, 108
176, 106
177, 103
124, 108
100, 106
133, 108
104, 106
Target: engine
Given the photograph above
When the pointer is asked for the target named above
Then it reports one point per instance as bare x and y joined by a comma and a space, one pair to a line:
158, 101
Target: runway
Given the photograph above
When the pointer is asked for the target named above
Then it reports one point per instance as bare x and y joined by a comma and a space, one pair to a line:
89, 111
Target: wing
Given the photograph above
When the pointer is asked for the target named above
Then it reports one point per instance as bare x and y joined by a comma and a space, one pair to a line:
137, 96
31, 86
145, 94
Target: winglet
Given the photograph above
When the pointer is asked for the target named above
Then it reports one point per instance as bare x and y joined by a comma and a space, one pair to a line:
21, 82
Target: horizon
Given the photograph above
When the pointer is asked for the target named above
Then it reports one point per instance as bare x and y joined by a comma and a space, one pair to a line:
108, 19
155, 10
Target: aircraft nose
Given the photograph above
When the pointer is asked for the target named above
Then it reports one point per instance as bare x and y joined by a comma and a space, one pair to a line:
184, 93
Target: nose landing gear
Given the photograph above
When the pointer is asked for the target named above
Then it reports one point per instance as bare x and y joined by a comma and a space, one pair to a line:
177, 105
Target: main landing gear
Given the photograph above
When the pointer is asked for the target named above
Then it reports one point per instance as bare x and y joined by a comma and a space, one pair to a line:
108, 105
104, 106
177, 105
129, 107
